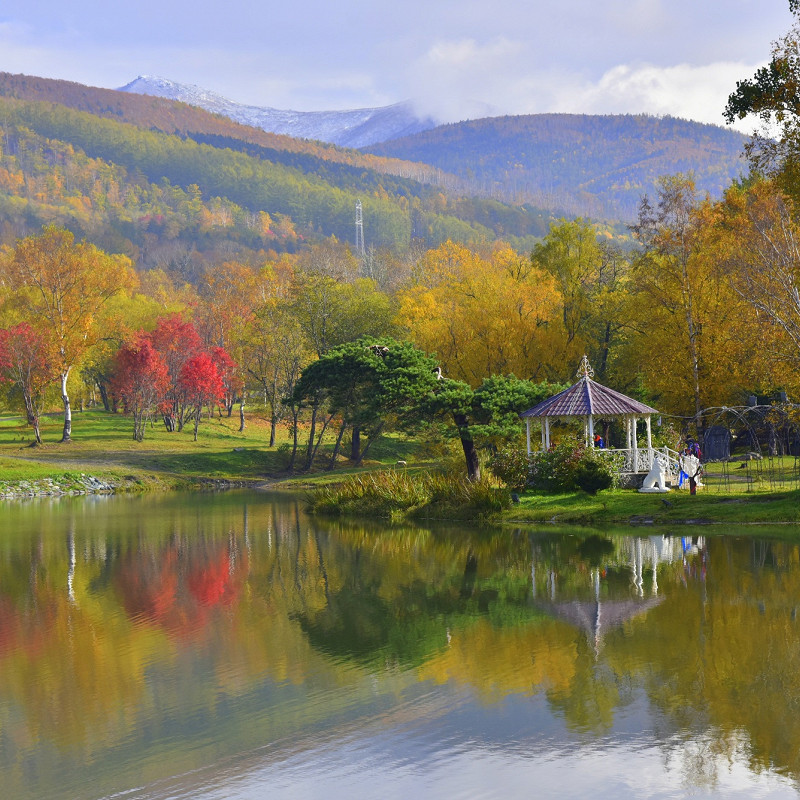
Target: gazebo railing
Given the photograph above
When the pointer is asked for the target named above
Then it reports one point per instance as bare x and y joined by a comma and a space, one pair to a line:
641, 460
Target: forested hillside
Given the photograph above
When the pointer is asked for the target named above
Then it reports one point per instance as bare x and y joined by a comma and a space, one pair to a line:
135, 189
595, 166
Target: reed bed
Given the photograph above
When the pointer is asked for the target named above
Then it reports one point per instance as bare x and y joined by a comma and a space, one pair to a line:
398, 494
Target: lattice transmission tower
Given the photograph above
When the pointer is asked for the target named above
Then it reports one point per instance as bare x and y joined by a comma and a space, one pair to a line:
360, 249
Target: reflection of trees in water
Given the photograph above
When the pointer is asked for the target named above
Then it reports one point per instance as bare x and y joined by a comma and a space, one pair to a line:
261, 594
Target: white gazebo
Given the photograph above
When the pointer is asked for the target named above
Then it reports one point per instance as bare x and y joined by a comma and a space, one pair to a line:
589, 401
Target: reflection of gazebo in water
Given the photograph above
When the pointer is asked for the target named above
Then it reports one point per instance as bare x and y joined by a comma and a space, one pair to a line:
590, 401
599, 614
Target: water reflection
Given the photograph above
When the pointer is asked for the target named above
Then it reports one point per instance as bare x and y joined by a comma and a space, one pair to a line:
206, 646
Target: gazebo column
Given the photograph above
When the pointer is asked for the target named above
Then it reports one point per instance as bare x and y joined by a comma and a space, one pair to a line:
635, 448
591, 430
649, 439
547, 433
528, 433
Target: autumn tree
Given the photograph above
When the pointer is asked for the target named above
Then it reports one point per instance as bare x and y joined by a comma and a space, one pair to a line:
26, 365
176, 341
229, 294
759, 243
483, 315
591, 277
60, 286
682, 310
141, 380
331, 312
200, 384
275, 352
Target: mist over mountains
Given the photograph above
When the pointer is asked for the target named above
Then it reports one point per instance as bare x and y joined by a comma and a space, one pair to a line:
354, 128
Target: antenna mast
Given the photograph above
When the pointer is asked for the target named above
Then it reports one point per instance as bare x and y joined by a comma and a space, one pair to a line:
360, 249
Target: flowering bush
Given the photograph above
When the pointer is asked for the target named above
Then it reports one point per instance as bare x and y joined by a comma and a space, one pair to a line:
571, 465
512, 465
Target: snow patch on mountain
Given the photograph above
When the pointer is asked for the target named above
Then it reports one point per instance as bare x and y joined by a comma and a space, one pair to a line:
355, 128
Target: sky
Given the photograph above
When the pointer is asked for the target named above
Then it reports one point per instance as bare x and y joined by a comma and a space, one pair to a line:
454, 59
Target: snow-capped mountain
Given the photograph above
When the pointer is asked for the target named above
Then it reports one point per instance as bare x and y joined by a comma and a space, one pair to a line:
357, 128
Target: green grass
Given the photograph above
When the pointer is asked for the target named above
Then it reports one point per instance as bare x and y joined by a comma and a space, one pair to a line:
103, 445
625, 506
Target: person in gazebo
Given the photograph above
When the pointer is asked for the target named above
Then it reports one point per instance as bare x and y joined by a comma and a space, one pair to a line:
598, 441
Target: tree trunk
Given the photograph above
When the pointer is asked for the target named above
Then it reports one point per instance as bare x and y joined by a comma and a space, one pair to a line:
67, 434
355, 446
273, 426
197, 414
311, 435
242, 400
373, 438
342, 429
104, 396
468, 446
319, 438
33, 419
295, 426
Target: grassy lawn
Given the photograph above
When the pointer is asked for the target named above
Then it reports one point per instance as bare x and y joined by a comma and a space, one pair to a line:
103, 445
622, 506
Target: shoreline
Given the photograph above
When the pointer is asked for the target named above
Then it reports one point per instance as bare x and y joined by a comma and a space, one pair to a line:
611, 508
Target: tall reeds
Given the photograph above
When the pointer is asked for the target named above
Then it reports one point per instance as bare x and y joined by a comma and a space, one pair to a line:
398, 493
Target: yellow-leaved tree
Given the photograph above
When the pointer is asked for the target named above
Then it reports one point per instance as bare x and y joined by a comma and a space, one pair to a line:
59, 286
483, 314
688, 324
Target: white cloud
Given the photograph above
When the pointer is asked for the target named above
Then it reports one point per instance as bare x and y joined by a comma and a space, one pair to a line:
694, 92
463, 79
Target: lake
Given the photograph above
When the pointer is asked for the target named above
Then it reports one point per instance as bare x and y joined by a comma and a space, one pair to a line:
229, 646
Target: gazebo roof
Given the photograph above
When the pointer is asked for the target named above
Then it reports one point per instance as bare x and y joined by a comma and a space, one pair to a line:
588, 398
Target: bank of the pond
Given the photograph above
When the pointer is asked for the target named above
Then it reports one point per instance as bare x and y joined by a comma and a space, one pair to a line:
103, 458
398, 494
629, 507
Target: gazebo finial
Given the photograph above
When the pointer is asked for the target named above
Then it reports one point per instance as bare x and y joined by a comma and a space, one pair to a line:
585, 369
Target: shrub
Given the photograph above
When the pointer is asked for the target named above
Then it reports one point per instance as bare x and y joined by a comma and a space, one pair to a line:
390, 493
592, 475
571, 465
512, 465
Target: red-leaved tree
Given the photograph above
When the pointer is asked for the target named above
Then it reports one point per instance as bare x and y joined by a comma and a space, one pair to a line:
229, 373
26, 364
201, 384
141, 379
176, 342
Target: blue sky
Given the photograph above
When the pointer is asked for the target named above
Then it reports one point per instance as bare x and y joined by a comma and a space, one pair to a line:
455, 60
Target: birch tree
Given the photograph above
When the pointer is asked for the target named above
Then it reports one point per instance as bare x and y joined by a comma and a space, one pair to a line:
59, 286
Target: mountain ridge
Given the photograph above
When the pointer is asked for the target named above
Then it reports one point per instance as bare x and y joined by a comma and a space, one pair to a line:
589, 165
352, 128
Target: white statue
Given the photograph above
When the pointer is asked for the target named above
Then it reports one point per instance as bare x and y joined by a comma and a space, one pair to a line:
656, 480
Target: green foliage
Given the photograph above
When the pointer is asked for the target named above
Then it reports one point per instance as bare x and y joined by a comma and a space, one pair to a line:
571, 465
497, 403
367, 380
592, 475
396, 493
512, 465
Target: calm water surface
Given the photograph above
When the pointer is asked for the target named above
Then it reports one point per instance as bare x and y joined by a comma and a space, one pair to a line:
227, 646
